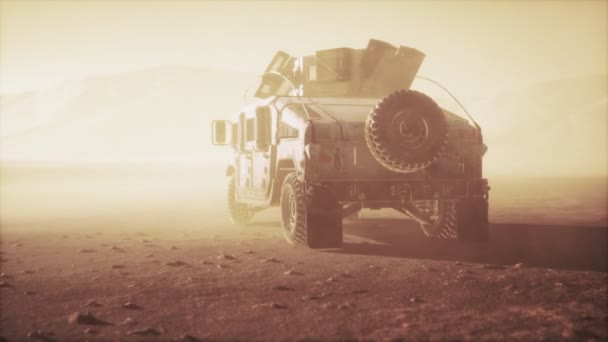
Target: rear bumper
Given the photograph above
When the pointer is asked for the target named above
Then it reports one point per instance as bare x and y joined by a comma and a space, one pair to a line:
406, 189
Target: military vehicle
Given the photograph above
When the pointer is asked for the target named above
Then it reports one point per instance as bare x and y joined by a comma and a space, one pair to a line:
341, 130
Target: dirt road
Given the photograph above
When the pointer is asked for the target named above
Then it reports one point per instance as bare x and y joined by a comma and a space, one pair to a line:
133, 265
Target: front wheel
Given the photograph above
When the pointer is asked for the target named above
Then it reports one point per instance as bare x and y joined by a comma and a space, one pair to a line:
293, 211
239, 213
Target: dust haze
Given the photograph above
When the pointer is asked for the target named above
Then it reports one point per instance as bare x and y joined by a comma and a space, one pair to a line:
113, 199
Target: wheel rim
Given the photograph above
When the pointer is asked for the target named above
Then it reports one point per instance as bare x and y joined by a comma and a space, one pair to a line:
409, 129
432, 209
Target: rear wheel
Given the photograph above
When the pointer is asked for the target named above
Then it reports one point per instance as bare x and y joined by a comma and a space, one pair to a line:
312, 218
239, 213
465, 219
472, 218
442, 217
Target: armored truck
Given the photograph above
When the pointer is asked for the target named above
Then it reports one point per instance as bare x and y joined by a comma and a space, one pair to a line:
340, 130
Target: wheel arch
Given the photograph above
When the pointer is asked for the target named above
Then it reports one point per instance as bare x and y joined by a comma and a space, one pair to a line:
284, 167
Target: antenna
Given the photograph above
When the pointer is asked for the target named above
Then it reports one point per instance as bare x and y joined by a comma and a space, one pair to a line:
453, 98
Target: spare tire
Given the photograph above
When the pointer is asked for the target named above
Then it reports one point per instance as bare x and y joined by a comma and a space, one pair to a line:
406, 131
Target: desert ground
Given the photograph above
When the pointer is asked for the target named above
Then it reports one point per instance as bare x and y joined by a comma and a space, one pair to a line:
148, 253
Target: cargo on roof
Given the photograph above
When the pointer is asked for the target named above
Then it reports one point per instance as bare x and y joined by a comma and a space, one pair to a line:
372, 72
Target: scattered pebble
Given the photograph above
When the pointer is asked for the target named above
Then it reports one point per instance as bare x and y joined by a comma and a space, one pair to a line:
206, 262
249, 251
292, 272
4, 275
16, 244
458, 263
29, 293
270, 260
85, 250
222, 266
332, 280
41, 335
27, 272
415, 300
116, 249
346, 306
177, 263
312, 297
85, 318
145, 332
91, 303
90, 331
226, 257
128, 321
361, 291
519, 265
174, 248
5, 284
146, 240
270, 305
117, 267
493, 267
188, 338
131, 306
282, 288
149, 255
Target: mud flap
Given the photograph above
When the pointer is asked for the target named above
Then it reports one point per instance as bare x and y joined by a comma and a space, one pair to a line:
472, 220
323, 219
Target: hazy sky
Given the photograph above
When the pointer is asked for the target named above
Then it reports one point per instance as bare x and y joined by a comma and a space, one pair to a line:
477, 47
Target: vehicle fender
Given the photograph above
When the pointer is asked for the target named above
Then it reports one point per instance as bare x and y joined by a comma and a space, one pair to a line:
285, 164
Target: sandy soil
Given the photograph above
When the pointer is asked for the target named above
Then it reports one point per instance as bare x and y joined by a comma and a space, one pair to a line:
154, 261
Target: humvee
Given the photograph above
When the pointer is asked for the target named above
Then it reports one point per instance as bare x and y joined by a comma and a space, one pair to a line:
338, 131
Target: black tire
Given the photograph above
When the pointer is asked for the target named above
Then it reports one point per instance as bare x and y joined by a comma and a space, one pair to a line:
239, 213
444, 218
472, 217
406, 131
311, 217
293, 210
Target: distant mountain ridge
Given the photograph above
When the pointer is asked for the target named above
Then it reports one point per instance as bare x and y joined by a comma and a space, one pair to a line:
158, 112
164, 113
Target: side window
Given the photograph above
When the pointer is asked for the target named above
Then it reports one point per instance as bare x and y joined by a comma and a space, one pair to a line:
249, 130
286, 131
